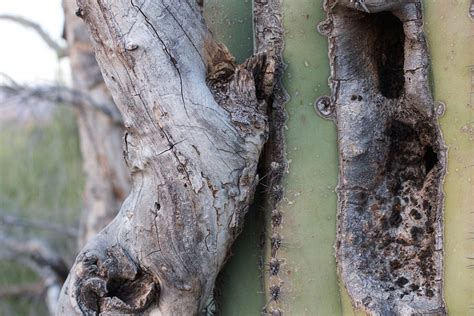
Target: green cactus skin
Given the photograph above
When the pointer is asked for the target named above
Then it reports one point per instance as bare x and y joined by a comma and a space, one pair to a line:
450, 34
307, 276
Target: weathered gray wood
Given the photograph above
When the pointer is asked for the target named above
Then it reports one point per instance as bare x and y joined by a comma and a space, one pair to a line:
101, 136
195, 126
392, 157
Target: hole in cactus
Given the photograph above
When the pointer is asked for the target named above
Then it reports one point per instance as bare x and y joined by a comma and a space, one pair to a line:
388, 52
430, 158
391, 158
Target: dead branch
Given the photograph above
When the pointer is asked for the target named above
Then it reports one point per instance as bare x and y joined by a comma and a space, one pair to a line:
60, 50
37, 252
38, 256
11, 220
22, 291
170, 80
22, 94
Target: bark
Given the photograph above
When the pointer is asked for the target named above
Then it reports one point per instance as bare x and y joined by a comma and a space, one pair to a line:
392, 158
106, 174
195, 126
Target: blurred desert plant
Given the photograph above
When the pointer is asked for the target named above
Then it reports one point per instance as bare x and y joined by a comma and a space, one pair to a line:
40, 199
55, 190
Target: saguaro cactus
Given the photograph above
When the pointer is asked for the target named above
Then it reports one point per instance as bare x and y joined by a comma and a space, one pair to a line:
450, 34
392, 159
306, 289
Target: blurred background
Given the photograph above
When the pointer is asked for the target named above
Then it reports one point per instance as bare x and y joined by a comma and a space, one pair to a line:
41, 175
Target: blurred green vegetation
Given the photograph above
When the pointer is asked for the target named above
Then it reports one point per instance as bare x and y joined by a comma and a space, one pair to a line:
41, 179
12, 274
40, 167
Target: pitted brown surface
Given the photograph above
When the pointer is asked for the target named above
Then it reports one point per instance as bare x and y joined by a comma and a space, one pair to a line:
391, 158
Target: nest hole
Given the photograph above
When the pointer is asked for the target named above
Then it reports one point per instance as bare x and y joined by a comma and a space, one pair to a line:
387, 52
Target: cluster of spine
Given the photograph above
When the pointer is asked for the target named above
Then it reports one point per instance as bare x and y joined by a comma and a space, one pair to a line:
269, 39
274, 265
